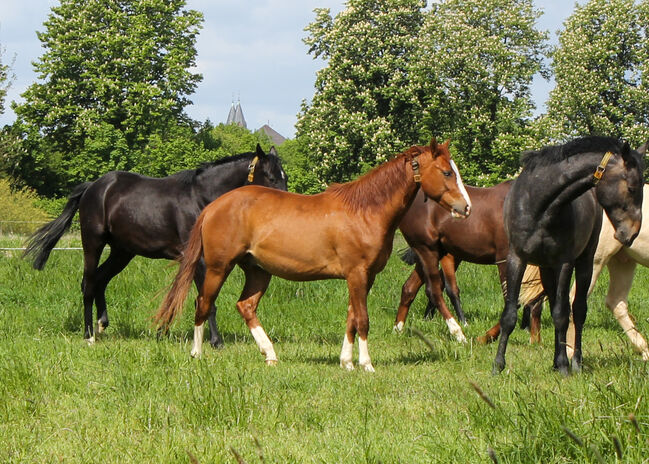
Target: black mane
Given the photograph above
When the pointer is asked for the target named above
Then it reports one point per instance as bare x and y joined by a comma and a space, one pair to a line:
189, 176
553, 154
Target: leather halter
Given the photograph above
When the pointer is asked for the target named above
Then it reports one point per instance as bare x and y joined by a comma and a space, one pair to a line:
599, 172
415, 168
251, 168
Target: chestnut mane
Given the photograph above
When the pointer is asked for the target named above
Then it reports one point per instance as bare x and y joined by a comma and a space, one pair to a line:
372, 190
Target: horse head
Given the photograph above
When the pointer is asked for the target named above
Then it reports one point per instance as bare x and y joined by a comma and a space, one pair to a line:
440, 179
266, 169
620, 192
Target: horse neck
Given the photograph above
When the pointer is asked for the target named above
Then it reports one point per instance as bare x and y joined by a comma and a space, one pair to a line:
216, 180
569, 179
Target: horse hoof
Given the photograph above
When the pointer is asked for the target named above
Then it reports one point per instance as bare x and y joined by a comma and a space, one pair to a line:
271, 362
368, 368
398, 328
645, 356
484, 339
217, 345
91, 340
347, 365
196, 354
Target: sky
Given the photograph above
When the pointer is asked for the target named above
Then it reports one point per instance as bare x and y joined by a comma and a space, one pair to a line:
248, 50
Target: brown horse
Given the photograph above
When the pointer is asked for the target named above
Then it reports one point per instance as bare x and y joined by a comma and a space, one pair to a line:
438, 239
346, 232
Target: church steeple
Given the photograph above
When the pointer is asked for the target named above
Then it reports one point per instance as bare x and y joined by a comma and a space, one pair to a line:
235, 116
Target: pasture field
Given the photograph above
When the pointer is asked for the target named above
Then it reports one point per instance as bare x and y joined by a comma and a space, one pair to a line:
134, 398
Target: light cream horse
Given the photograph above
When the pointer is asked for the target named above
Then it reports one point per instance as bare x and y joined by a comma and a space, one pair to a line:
621, 262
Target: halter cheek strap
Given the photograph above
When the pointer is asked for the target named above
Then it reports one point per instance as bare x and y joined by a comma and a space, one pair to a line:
251, 168
599, 172
415, 169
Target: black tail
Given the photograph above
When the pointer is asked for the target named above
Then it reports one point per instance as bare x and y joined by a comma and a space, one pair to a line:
40, 244
408, 256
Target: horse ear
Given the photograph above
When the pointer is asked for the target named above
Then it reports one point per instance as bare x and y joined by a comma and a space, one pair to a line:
626, 150
433, 146
272, 151
643, 148
259, 152
446, 143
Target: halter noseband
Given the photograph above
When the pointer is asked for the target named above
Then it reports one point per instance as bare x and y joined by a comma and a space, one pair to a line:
251, 168
599, 172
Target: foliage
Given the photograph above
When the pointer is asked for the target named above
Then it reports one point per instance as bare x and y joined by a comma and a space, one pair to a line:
134, 397
601, 72
476, 63
297, 165
18, 213
364, 105
5, 81
114, 74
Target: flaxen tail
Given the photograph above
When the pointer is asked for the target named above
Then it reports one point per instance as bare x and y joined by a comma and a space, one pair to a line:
172, 305
531, 286
41, 243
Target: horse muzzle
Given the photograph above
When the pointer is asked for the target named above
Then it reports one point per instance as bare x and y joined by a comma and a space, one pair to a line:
627, 234
461, 213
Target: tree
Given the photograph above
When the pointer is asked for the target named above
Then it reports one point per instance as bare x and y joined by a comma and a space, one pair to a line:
364, 105
477, 59
115, 73
5, 81
601, 72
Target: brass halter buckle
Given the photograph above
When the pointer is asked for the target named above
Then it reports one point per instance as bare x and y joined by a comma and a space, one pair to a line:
599, 172
415, 168
251, 169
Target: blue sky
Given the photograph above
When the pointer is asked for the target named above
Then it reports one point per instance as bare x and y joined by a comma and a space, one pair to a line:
250, 50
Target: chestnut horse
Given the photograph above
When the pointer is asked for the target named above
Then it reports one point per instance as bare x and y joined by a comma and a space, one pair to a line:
145, 216
553, 216
438, 239
345, 232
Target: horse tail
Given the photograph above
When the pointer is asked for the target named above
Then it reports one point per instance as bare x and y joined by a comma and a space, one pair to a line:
408, 256
531, 286
41, 242
172, 305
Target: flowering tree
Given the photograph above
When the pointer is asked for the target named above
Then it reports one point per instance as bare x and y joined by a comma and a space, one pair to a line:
114, 73
475, 65
602, 73
364, 104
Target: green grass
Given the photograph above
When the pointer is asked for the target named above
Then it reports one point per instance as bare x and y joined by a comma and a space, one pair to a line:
133, 398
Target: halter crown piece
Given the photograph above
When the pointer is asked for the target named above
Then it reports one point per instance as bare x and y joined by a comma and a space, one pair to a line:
599, 172
251, 168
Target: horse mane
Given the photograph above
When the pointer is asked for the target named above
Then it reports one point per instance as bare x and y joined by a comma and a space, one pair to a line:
553, 154
372, 190
189, 176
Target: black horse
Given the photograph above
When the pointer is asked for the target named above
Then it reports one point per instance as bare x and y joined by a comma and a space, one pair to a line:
553, 217
138, 215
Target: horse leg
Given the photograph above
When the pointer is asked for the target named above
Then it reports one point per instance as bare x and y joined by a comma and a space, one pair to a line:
114, 264
215, 337
492, 334
449, 267
257, 281
558, 298
212, 283
91, 254
408, 294
621, 269
358, 285
535, 308
433, 279
515, 270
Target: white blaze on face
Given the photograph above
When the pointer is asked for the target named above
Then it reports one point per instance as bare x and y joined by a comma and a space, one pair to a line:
460, 185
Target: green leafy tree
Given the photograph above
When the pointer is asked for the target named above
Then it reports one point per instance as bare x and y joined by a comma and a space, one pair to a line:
602, 73
364, 104
114, 74
477, 59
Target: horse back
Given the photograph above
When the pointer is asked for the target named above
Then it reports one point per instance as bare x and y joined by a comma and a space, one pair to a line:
146, 216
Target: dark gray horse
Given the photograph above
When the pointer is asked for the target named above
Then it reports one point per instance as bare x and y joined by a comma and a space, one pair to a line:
138, 215
553, 217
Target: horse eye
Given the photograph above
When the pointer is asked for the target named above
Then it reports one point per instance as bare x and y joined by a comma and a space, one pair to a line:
447, 173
